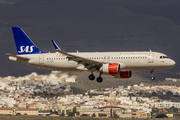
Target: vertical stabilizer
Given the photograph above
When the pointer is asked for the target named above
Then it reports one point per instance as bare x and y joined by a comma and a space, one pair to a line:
24, 45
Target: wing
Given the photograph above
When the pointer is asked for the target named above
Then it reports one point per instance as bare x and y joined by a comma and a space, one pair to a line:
89, 64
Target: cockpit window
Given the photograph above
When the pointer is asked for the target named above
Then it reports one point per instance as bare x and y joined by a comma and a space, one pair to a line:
161, 57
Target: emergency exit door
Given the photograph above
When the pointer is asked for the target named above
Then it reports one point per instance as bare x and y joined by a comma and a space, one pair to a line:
151, 58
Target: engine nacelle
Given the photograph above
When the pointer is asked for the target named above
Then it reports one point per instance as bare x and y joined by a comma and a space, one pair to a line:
124, 74
111, 69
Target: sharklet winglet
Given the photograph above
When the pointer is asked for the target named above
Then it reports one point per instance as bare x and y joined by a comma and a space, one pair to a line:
56, 46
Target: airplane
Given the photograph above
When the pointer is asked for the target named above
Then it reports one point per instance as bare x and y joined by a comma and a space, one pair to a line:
117, 64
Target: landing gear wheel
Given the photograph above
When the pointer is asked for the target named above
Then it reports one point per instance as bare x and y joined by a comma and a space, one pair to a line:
99, 79
152, 75
152, 78
91, 77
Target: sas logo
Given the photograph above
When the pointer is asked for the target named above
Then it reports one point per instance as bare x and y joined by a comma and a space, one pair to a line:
26, 49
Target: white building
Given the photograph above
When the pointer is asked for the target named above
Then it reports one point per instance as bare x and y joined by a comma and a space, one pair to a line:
166, 104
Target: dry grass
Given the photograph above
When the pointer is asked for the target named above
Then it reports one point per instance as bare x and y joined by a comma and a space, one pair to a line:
9, 117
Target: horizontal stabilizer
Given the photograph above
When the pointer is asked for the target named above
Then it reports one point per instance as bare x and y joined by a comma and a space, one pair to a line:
23, 58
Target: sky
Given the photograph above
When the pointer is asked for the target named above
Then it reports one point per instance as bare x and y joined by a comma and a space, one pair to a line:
89, 26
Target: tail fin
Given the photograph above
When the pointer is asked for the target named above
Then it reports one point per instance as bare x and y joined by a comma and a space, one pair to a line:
24, 45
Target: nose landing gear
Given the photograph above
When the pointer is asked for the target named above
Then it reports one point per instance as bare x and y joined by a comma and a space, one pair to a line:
152, 75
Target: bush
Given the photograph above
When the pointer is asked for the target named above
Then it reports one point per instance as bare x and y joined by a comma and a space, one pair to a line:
93, 115
161, 116
18, 114
70, 114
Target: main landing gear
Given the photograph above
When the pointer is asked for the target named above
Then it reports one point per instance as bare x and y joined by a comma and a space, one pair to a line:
152, 75
99, 79
92, 77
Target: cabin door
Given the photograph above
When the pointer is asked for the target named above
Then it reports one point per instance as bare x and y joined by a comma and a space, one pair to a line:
41, 59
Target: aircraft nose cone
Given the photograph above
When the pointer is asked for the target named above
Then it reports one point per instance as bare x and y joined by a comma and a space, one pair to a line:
172, 63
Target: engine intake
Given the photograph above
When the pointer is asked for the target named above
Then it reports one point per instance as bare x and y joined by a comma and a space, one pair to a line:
111, 69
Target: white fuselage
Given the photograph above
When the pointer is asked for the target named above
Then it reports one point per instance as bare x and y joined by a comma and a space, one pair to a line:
117, 64
130, 61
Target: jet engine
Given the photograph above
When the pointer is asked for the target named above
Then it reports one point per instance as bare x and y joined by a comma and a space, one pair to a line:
124, 74
111, 69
